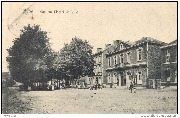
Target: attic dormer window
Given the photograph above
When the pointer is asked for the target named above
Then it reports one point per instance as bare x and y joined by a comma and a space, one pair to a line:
121, 46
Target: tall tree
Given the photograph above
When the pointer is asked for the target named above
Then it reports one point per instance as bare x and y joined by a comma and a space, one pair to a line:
30, 55
76, 60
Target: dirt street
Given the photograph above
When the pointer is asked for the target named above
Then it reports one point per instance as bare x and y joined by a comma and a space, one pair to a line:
85, 101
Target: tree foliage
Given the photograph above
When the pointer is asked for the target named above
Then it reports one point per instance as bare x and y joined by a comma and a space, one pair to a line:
75, 59
29, 57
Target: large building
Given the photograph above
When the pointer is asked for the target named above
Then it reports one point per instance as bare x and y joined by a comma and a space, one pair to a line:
123, 62
138, 63
169, 64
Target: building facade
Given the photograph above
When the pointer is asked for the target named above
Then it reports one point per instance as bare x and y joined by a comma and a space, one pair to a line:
124, 62
169, 64
98, 58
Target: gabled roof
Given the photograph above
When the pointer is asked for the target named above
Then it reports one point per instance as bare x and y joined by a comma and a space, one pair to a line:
134, 44
149, 40
173, 43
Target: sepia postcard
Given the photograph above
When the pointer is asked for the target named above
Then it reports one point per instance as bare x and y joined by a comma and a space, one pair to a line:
89, 58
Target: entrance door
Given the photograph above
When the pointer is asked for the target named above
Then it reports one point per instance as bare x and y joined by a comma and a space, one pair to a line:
114, 78
167, 74
124, 81
121, 79
97, 80
139, 77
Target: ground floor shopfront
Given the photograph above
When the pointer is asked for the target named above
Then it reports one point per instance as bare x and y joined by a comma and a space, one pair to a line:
123, 77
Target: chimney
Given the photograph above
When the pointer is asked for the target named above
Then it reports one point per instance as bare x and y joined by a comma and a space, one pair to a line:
116, 42
99, 49
106, 45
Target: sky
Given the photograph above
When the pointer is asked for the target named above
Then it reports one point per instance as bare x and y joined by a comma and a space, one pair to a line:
98, 22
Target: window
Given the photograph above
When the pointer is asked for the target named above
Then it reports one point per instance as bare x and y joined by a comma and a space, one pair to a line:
99, 59
167, 74
139, 54
121, 46
109, 61
99, 68
129, 74
121, 58
167, 56
115, 60
128, 57
96, 59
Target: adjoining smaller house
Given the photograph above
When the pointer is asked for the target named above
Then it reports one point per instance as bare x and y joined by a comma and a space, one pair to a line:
49, 85
98, 68
90, 82
85, 82
169, 64
82, 82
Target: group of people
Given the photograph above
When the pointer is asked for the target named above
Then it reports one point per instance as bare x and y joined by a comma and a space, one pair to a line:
132, 88
96, 86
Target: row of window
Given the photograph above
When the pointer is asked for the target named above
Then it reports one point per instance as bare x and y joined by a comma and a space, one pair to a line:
96, 80
128, 56
129, 74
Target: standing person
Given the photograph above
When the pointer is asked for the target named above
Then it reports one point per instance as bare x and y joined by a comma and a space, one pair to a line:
131, 87
134, 87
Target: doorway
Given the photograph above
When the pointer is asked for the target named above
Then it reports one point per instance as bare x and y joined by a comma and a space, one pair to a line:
97, 80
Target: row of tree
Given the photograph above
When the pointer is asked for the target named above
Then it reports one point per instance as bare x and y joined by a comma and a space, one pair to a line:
31, 58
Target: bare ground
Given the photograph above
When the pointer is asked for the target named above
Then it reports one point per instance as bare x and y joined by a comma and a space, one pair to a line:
84, 101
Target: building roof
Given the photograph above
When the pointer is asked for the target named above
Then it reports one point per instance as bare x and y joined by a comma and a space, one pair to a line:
149, 40
133, 44
173, 43
125, 42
